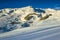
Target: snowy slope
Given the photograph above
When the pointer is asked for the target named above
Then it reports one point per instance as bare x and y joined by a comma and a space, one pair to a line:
28, 21
45, 34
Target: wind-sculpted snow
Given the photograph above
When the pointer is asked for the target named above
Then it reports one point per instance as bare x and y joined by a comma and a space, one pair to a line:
17, 18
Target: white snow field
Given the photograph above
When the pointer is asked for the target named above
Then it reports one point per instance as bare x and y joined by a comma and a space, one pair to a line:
29, 23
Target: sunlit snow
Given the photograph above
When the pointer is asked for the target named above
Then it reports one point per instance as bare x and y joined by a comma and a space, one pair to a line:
27, 17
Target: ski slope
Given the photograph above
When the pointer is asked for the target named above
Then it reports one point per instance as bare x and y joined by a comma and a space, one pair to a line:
34, 28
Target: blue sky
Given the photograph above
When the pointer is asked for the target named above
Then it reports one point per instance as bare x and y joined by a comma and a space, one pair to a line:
33, 3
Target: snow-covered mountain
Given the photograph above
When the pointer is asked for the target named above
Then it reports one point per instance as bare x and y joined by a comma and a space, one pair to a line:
17, 18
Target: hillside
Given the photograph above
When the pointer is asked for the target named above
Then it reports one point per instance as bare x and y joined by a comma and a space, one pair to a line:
18, 18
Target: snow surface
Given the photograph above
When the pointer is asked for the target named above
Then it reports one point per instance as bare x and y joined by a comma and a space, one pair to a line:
13, 22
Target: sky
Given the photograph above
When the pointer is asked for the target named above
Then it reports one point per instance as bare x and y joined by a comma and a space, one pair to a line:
33, 3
